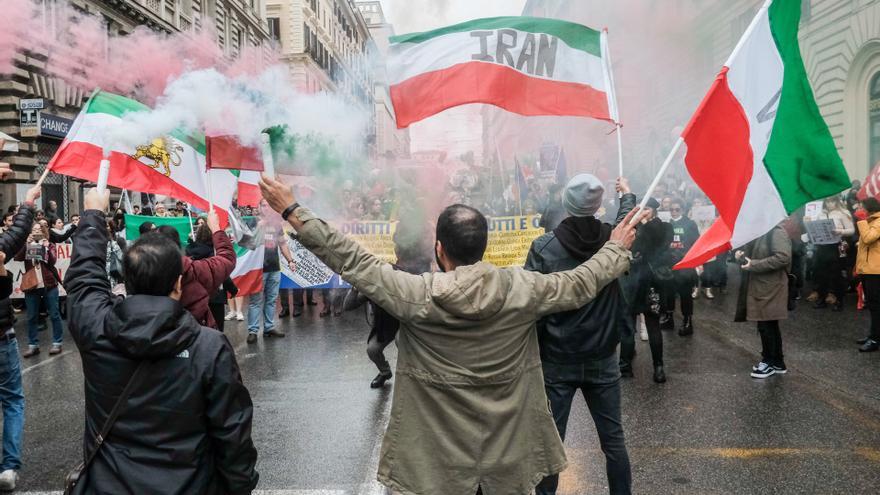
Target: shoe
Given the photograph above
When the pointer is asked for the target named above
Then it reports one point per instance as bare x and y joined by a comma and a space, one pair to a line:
33, 350
229, 316
659, 374
709, 294
695, 294
862, 340
8, 479
837, 307
760, 365
764, 371
337, 313
251, 338
813, 297
667, 321
830, 299
274, 333
820, 305
324, 313
380, 380
780, 370
312, 303
687, 327
297, 313
643, 334
870, 346
284, 313
239, 316
626, 371
55, 349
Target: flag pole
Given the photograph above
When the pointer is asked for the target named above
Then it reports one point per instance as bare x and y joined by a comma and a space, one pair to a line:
613, 110
749, 30
661, 172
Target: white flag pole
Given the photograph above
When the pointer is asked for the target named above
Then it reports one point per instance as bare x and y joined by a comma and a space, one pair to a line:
613, 110
739, 46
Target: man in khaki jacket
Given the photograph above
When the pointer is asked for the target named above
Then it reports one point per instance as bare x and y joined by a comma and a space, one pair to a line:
469, 409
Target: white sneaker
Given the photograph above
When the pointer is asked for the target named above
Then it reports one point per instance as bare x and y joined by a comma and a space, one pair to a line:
709, 294
8, 479
643, 329
695, 294
239, 316
229, 316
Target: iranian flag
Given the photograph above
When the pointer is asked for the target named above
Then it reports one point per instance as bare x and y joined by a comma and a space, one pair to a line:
526, 65
757, 145
248, 273
172, 165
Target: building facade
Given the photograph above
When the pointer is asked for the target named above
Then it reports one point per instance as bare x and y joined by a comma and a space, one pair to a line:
391, 142
237, 24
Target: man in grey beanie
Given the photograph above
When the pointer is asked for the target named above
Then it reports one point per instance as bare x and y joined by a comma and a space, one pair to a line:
578, 348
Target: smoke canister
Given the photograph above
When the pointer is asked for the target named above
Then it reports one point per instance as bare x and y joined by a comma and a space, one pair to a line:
103, 174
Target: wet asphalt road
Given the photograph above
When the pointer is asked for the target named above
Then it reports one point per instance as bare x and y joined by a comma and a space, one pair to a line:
709, 429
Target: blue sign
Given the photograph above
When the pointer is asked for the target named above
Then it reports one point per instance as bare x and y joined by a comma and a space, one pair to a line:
53, 125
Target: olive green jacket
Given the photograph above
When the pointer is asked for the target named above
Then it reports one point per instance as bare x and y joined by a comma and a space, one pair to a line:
469, 405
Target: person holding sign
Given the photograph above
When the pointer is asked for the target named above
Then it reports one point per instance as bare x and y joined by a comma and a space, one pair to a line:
469, 405
40, 283
831, 276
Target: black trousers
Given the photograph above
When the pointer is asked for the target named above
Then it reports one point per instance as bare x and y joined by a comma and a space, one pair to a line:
655, 340
599, 382
681, 285
771, 343
713, 272
871, 284
300, 296
376, 353
217, 311
830, 274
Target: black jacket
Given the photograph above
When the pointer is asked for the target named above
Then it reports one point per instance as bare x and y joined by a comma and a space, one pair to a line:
651, 266
591, 332
11, 243
186, 429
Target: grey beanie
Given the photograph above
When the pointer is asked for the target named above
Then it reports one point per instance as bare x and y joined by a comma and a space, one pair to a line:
583, 195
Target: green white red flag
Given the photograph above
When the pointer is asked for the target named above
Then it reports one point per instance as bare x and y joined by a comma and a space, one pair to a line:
171, 165
757, 145
526, 65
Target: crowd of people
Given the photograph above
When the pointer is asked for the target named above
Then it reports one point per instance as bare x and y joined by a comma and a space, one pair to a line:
592, 283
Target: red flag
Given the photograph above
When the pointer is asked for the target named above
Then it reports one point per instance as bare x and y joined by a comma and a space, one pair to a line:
226, 152
871, 187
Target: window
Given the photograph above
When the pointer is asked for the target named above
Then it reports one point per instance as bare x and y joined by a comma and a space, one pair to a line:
274, 28
740, 24
874, 121
806, 10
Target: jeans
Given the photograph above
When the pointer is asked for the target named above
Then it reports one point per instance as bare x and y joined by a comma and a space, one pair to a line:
12, 401
599, 381
771, 343
32, 302
264, 303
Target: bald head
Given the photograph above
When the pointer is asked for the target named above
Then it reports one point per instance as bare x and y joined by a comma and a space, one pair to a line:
463, 233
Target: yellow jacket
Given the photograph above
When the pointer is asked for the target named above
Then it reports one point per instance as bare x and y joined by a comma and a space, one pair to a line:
868, 257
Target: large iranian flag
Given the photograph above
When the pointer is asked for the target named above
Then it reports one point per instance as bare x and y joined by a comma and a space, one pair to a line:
526, 65
757, 145
172, 165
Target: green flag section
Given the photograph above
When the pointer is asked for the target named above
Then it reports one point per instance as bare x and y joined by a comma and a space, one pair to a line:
525, 65
181, 224
757, 145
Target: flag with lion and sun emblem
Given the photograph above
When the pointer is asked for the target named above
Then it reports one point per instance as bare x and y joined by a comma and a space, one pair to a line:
172, 165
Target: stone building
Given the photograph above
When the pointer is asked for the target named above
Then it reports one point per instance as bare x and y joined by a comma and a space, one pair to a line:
237, 23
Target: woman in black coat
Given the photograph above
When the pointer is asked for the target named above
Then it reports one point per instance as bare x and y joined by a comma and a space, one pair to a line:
651, 268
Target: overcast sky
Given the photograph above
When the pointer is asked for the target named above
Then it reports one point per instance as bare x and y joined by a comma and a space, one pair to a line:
456, 130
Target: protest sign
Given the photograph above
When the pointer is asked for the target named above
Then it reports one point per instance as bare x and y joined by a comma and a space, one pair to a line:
821, 232
703, 216
62, 262
510, 239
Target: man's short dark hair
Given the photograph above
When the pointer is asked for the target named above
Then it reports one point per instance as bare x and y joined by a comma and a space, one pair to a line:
152, 266
146, 227
464, 232
170, 233
7, 215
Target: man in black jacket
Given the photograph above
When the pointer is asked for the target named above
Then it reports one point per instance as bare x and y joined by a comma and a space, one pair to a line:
578, 347
11, 394
187, 428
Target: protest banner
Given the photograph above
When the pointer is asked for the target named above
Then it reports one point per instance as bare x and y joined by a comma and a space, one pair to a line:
62, 262
821, 232
510, 239
703, 216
